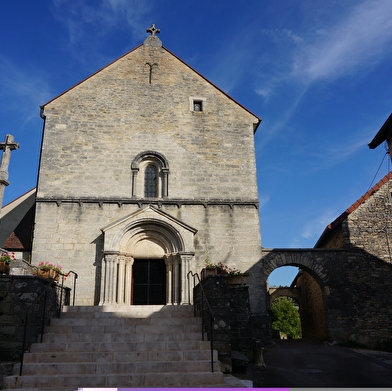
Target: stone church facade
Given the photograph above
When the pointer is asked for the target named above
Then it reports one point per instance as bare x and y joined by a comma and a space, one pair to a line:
146, 168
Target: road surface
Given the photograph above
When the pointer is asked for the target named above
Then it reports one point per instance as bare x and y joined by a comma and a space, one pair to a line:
312, 363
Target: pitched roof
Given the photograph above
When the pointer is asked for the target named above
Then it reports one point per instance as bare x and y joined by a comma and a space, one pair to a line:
20, 238
383, 134
17, 222
330, 227
178, 58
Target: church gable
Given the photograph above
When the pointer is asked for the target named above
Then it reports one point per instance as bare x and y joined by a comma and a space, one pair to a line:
147, 100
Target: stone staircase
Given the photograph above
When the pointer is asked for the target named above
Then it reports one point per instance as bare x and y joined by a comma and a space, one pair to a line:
120, 346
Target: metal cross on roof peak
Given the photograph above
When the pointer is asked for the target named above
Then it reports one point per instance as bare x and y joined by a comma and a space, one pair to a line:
153, 30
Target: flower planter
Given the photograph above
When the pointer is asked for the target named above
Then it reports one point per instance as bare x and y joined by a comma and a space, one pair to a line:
238, 280
4, 267
49, 273
208, 272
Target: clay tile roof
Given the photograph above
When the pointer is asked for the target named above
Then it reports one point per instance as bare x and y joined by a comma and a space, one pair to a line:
361, 200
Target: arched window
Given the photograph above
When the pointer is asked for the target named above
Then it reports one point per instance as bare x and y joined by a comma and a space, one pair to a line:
150, 174
150, 181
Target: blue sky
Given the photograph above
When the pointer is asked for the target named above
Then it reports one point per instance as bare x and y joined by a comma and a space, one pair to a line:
317, 72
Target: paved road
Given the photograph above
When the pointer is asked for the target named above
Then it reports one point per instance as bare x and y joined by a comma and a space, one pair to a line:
310, 363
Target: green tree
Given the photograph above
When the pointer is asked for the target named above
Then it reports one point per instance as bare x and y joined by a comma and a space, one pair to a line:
286, 317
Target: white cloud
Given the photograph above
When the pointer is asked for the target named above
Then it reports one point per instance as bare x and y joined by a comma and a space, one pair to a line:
281, 36
82, 19
336, 153
314, 228
21, 91
357, 40
263, 199
352, 43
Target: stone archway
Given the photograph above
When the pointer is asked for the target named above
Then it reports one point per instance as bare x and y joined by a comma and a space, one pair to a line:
148, 234
311, 286
294, 293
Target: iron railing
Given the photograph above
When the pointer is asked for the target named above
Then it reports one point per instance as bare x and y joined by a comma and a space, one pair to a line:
55, 313
203, 303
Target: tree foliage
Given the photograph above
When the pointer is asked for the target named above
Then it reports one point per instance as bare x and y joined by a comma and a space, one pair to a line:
286, 317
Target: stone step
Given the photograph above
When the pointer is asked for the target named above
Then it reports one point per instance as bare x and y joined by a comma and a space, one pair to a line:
111, 368
121, 337
116, 356
41, 388
229, 382
135, 311
125, 380
110, 318
119, 346
98, 328
127, 314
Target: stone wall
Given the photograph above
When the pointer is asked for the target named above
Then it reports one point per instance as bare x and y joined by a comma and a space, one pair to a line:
311, 307
232, 331
369, 226
17, 294
355, 287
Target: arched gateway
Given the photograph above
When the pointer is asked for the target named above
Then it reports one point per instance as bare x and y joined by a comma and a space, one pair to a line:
312, 286
147, 256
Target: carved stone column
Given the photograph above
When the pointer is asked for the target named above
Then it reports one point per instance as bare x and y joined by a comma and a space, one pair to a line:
110, 279
165, 172
121, 280
128, 279
185, 267
176, 281
169, 279
134, 177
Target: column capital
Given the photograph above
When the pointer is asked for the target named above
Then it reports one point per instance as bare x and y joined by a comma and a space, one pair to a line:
111, 252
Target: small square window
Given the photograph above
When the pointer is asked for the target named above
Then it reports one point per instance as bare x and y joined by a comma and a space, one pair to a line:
197, 105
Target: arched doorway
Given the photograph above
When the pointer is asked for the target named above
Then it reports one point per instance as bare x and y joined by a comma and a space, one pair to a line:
147, 257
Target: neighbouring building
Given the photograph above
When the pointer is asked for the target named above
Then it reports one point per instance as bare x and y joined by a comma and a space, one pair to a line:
366, 224
384, 134
16, 225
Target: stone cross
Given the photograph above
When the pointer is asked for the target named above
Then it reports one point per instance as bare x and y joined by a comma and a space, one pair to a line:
7, 146
153, 30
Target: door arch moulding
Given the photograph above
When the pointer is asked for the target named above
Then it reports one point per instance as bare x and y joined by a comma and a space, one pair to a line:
147, 233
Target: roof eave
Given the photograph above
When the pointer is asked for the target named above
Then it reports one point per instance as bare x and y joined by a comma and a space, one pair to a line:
383, 134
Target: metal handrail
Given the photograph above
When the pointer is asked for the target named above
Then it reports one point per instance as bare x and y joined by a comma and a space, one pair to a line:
212, 317
44, 293
74, 287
